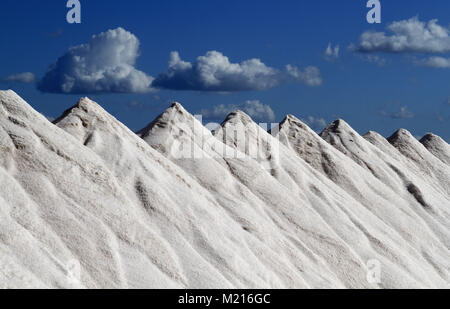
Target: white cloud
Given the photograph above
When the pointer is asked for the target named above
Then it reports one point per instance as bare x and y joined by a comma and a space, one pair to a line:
379, 61
315, 123
309, 76
25, 77
408, 36
254, 108
332, 53
215, 72
403, 113
104, 65
436, 62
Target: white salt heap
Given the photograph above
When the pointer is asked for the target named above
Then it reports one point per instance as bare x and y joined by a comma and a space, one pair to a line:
437, 146
87, 203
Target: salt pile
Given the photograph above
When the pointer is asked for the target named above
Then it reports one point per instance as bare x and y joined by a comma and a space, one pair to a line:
87, 203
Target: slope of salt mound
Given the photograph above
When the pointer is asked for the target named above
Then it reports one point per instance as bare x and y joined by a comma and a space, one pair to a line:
324, 157
239, 131
171, 126
251, 192
389, 165
64, 217
362, 185
412, 149
377, 160
408, 169
179, 135
437, 146
340, 135
296, 135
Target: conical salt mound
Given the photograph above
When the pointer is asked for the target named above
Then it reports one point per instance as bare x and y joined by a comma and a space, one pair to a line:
437, 146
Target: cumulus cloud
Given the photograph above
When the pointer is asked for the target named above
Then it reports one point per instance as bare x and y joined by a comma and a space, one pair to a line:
436, 62
407, 36
254, 108
104, 65
25, 77
332, 53
215, 72
403, 113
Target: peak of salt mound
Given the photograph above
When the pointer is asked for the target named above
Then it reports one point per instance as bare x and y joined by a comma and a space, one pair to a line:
175, 114
401, 136
240, 122
372, 134
416, 152
176, 133
290, 121
404, 141
12, 99
437, 146
343, 137
377, 139
307, 144
237, 116
338, 126
176, 106
8, 93
13, 105
430, 137
85, 118
85, 104
240, 132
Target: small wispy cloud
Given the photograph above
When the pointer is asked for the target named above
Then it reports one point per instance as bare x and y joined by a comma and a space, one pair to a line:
315, 123
378, 60
332, 53
24, 78
435, 62
402, 113
310, 76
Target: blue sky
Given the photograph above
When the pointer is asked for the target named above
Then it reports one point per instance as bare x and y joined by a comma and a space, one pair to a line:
377, 88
